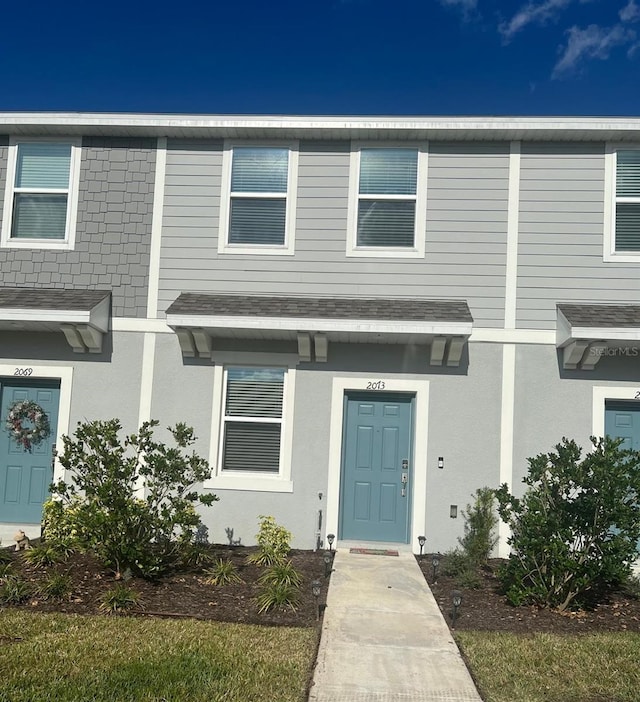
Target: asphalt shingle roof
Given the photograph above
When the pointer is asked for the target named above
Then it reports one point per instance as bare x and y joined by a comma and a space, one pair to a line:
50, 298
601, 315
321, 308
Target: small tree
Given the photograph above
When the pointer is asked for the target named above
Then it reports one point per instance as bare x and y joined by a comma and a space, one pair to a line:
100, 509
480, 521
574, 533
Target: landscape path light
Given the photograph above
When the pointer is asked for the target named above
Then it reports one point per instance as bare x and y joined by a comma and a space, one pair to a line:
315, 589
435, 562
456, 598
422, 540
327, 563
331, 538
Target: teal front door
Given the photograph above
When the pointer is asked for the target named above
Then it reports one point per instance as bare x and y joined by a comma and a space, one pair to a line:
376, 477
25, 475
622, 420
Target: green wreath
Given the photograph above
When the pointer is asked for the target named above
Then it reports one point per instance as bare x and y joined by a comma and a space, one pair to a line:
27, 436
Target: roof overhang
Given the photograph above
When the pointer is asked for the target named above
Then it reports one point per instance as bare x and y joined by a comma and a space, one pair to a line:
81, 315
335, 127
312, 323
586, 333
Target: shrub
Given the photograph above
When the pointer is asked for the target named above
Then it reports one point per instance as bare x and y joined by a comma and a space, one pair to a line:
56, 586
480, 522
44, 555
273, 543
277, 594
6, 569
14, 590
222, 573
120, 598
101, 510
5, 555
575, 530
281, 573
457, 564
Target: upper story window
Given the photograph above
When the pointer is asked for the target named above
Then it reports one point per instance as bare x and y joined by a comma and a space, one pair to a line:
387, 214
257, 212
627, 234
40, 204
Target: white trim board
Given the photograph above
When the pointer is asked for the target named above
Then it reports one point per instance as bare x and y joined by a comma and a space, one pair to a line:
507, 408
419, 388
156, 228
65, 375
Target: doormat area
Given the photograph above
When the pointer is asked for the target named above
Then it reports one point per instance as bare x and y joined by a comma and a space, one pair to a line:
373, 551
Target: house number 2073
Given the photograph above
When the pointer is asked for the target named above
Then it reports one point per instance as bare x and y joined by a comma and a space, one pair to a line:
23, 371
375, 385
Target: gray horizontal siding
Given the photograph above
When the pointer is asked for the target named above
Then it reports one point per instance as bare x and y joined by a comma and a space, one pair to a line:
465, 247
561, 228
113, 235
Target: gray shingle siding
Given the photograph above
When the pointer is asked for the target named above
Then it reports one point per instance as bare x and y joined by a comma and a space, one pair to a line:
115, 208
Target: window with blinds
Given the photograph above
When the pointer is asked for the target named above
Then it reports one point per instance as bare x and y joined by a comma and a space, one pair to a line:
41, 191
627, 223
259, 185
252, 421
387, 194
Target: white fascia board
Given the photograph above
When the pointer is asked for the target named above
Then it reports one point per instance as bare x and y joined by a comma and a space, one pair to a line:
608, 333
97, 317
466, 127
363, 326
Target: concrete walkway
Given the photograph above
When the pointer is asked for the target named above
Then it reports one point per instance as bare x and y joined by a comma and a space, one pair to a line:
383, 637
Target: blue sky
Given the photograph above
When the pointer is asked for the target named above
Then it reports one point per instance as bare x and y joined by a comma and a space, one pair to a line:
383, 57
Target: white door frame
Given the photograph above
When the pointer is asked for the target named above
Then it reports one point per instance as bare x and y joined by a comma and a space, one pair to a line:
62, 373
418, 388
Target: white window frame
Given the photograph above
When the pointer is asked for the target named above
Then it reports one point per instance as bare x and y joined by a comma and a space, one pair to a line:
247, 480
602, 393
69, 240
420, 224
610, 202
286, 249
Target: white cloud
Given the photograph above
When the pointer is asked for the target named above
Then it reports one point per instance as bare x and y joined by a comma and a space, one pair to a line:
594, 42
630, 12
530, 13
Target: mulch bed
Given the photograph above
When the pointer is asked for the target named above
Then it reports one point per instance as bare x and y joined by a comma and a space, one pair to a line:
185, 593
486, 609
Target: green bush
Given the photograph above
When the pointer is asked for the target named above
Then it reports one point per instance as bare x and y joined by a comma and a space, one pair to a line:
273, 543
56, 586
574, 533
222, 573
120, 598
480, 522
283, 573
100, 509
278, 594
14, 590
44, 555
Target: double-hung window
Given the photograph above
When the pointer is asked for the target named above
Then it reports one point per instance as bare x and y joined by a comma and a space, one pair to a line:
627, 202
41, 194
388, 201
257, 213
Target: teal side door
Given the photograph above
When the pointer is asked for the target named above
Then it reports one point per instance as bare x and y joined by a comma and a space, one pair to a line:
622, 419
25, 476
375, 503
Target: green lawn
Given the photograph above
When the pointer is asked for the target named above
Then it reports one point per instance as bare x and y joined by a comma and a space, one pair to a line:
552, 668
66, 657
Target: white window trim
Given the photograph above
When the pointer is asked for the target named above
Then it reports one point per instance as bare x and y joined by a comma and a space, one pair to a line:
288, 248
420, 225
245, 480
68, 242
610, 200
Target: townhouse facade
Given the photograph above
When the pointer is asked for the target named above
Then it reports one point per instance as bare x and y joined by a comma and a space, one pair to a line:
364, 319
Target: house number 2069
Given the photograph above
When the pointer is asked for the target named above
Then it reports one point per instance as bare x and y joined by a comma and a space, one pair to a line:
375, 385
23, 371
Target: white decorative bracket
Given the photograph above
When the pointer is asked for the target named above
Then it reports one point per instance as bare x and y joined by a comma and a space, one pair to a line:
83, 338
304, 346
572, 354
321, 347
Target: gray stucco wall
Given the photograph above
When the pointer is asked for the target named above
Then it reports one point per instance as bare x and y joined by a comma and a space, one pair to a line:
115, 208
561, 232
551, 403
464, 420
465, 240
